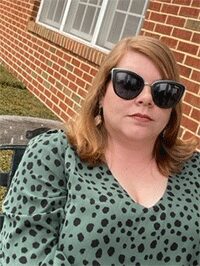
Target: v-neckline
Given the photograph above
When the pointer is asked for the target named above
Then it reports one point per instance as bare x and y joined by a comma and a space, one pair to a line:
160, 200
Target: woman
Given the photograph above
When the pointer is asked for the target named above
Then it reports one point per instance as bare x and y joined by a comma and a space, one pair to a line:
120, 188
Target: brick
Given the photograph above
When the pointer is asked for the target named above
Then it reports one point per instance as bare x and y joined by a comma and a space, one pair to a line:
191, 86
60, 61
187, 135
76, 98
188, 123
154, 6
163, 29
56, 109
170, 9
67, 58
196, 77
57, 75
72, 86
148, 25
196, 37
50, 71
193, 62
193, 24
51, 80
64, 81
85, 67
196, 114
169, 41
64, 117
69, 67
188, 48
189, 12
78, 72
48, 103
68, 101
185, 71
77, 108
76, 62
59, 53
196, 3
71, 76
60, 94
93, 71
88, 78
191, 98
80, 83
186, 109
59, 85
71, 112
175, 21
47, 93
54, 99
64, 72
158, 17
182, 34
56, 67
46, 84
82, 93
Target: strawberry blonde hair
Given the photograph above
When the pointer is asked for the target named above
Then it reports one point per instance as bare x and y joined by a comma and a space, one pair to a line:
90, 140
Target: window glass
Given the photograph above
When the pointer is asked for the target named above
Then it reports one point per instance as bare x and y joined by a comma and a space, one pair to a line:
82, 18
137, 6
99, 22
52, 12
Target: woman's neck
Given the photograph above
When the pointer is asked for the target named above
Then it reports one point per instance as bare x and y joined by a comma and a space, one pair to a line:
137, 153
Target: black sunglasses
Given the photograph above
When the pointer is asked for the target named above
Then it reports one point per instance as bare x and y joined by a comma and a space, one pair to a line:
128, 85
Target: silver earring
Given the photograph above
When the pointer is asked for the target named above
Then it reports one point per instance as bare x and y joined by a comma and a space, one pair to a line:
99, 117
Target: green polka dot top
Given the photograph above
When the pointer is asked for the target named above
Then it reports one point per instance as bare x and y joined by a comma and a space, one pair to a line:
59, 211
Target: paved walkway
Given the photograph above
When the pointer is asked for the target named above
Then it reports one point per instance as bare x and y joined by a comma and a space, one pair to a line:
13, 129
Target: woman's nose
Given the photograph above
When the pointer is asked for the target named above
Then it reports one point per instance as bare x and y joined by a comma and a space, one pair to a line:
145, 97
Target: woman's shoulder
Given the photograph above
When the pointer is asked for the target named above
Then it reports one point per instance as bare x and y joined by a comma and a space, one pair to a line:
54, 140
191, 167
194, 160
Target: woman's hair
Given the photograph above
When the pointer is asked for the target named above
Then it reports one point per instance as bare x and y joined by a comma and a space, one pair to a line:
90, 140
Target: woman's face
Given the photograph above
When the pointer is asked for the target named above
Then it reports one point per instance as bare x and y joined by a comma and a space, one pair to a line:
138, 119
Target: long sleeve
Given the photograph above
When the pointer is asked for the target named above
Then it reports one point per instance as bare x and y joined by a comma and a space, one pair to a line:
34, 205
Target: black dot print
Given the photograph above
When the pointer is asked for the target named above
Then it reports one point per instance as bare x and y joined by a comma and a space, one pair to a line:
61, 211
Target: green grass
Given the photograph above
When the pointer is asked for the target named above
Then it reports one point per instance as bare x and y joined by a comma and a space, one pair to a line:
15, 99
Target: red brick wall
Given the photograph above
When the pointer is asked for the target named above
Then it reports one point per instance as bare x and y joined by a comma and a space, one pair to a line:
59, 70
177, 23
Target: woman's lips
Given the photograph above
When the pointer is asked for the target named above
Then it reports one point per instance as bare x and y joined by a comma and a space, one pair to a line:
142, 117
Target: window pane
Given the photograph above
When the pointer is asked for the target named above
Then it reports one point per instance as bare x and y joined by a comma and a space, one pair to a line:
87, 20
52, 8
79, 17
95, 2
52, 12
44, 10
122, 18
89, 16
137, 6
116, 28
131, 26
123, 5
59, 11
82, 18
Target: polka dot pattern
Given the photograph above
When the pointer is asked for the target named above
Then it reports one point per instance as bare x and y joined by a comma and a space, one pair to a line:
60, 211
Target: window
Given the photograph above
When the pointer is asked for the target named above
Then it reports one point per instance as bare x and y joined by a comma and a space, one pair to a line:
98, 22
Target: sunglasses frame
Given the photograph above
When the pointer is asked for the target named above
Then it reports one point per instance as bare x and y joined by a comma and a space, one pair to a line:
114, 71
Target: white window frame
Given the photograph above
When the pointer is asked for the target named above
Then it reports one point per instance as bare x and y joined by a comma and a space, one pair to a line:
93, 42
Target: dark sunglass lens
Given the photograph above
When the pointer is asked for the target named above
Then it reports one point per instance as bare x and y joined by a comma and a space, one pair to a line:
127, 85
166, 94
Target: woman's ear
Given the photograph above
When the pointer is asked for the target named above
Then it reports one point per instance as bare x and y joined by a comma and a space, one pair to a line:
99, 116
